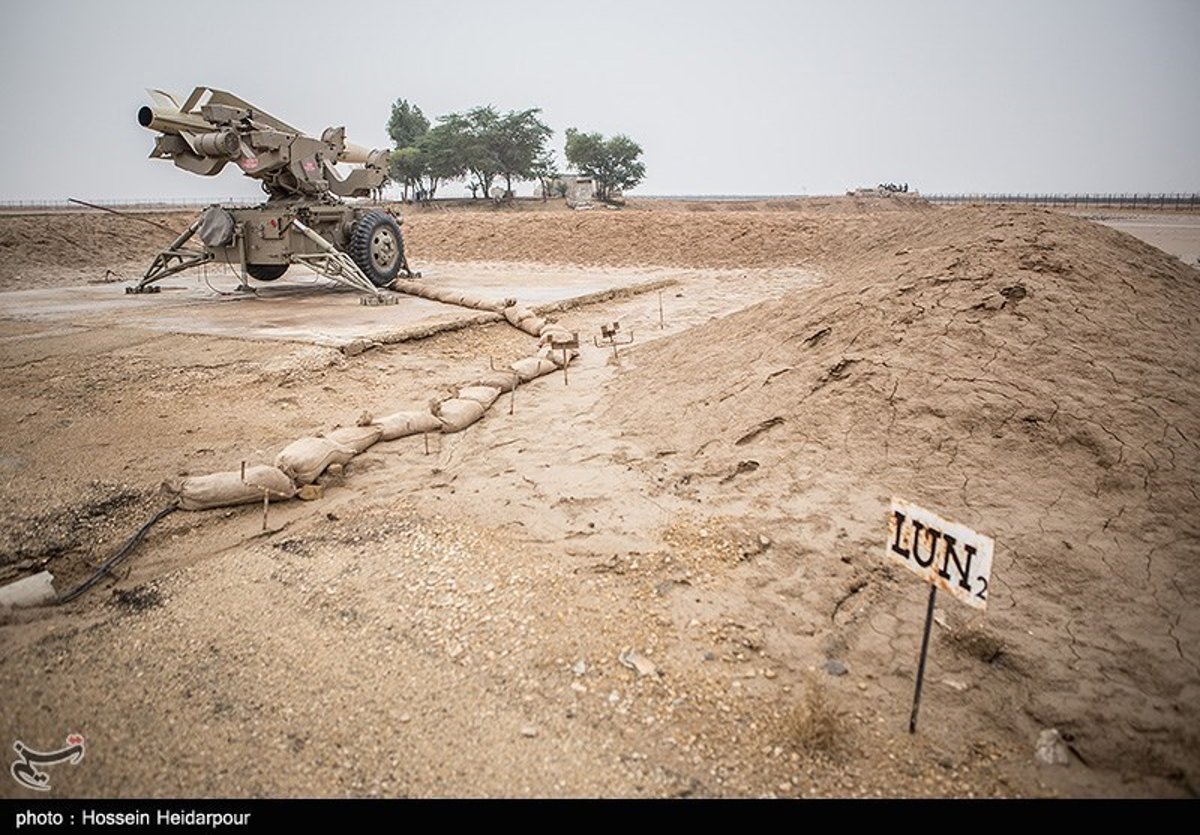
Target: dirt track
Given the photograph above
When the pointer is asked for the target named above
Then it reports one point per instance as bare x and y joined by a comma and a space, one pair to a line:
452, 624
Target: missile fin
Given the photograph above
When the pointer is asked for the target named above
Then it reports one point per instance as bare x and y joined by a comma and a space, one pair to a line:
163, 99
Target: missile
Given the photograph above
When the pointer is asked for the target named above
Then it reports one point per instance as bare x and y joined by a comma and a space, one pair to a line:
213, 127
166, 116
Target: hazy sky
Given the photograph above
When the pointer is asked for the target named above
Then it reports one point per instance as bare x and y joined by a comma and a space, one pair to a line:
743, 97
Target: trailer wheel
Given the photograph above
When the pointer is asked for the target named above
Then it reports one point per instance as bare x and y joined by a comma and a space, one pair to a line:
266, 272
377, 247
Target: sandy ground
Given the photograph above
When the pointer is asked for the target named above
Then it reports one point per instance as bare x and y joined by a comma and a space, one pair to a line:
453, 622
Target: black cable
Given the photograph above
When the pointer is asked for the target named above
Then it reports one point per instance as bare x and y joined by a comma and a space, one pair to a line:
126, 215
116, 558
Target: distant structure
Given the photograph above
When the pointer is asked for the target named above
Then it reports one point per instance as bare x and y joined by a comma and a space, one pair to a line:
579, 190
882, 190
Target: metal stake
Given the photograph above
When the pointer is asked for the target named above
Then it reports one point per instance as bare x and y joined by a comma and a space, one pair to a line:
512, 400
661, 326
566, 382
425, 435
267, 493
912, 721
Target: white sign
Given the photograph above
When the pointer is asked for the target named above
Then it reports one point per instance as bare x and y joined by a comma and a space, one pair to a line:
952, 557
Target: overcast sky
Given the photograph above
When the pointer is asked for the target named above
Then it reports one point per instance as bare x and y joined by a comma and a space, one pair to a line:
742, 97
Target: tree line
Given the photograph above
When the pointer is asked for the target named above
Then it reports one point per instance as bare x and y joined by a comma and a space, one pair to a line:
483, 147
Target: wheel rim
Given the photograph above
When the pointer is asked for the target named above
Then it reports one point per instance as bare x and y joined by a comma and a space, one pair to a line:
384, 250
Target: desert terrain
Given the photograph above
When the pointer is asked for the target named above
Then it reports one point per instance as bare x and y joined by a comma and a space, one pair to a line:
661, 576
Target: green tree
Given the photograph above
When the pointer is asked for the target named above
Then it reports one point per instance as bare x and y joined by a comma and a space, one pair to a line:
407, 124
520, 143
545, 169
488, 145
440, 157
407, 163
473, 137
480, 144
406, 166
612, 163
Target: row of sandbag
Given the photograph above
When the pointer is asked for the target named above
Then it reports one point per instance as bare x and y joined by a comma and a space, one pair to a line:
301, 462
445, 295
517, 315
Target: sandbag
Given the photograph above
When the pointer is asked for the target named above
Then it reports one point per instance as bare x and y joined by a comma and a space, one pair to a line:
403, 424
227, 489
485, 396
478, 302
502, 380
553, 332
34, 590
459, 413
358, 438
440, 294
514, 313
307, 458
531, 368
532, 325
555, 355
446, 295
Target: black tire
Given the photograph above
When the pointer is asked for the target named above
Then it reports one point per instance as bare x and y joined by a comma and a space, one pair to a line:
266, 272
377, 246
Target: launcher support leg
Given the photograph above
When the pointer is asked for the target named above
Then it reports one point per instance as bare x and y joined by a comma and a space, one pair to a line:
333, 263
175, 258
244, 276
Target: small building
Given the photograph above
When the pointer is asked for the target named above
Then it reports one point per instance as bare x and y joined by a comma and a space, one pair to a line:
578, 189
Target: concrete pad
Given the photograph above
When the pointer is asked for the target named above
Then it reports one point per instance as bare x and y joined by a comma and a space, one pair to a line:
304, 307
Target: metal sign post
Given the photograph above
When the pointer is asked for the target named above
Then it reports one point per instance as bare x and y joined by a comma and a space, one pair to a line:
912, 719
565, 344
945, 554
266, 493
609, 337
